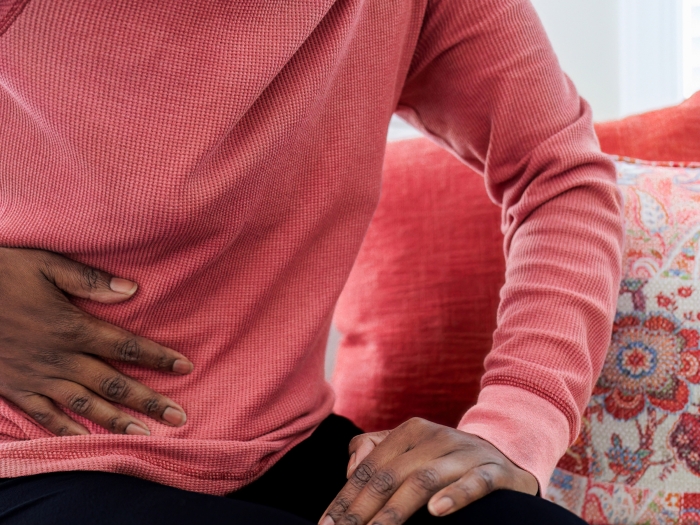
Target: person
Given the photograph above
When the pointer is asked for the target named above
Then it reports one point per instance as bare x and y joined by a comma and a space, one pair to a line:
183, 189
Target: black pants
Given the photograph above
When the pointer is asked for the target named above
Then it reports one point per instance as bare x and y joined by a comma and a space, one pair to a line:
294, 492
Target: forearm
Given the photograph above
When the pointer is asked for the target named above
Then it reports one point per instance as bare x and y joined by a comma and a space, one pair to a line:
486, 84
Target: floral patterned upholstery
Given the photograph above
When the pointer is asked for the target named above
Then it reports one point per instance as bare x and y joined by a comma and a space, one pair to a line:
637, 459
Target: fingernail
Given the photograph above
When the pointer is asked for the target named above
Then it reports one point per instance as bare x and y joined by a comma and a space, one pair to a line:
122, 286
180, 366
136, 430
174, 416
327, 521
351, 465
442, 506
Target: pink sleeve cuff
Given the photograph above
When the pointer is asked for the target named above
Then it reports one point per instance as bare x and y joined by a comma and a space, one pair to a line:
527, 429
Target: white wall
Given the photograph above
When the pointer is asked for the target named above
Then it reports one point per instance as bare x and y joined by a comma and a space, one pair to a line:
585, 36
651, 54
623, 55
691, 47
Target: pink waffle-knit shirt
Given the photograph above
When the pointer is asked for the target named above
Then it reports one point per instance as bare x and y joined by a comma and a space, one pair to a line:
227, 156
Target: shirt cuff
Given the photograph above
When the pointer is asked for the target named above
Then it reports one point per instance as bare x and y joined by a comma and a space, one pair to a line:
526, 428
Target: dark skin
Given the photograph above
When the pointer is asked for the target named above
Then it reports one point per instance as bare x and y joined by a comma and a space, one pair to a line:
393, 473
52, 364
51, 352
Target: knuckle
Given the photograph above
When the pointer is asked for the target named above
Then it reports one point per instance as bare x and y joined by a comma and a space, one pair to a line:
390, 515
164, 362
418, 422
428, 479
62, 431
151, 406
350, 519
363, 473
89, 277
127, 350
340, 506
70, 327
113, 424
54, 359
42, 416
80, 403
115, 388
485, 480
383, 482
356, 440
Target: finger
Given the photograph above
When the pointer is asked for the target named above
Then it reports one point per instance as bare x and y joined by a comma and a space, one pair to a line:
42, 410
397, 442
416, 489
111, 342
475, 484
401, 487
83, 281
361, 446
87, 404
114, 386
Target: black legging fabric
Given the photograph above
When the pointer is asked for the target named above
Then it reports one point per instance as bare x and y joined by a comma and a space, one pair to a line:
295, 491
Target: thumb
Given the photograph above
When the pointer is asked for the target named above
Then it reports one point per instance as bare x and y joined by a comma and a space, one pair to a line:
361, 446
83, 281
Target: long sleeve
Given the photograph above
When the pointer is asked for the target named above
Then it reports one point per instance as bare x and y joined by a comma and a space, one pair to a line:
486, 84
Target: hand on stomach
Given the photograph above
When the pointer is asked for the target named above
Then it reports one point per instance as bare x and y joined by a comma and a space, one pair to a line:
51, 352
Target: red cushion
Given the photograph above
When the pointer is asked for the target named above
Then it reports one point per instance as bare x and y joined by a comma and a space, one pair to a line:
418, 312
669, 134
